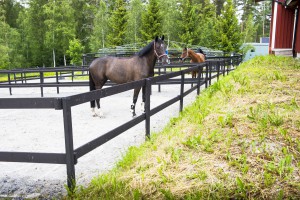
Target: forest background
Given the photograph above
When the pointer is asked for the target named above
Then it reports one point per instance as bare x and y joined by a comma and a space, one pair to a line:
50, 33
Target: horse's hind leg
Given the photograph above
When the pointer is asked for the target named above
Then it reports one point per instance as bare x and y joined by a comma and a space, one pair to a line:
144, 98
135, 97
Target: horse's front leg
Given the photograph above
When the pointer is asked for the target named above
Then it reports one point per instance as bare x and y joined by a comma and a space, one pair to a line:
135, 97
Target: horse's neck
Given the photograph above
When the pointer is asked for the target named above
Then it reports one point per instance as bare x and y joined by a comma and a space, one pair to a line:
149, 61
196, 57
192, 54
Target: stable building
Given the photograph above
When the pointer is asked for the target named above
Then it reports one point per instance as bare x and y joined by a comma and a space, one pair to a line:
285, 28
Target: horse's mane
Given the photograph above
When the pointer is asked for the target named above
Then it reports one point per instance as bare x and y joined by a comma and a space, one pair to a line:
146, 49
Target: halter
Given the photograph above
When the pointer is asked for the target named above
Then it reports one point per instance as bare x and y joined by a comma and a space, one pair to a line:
187, 54
158, 56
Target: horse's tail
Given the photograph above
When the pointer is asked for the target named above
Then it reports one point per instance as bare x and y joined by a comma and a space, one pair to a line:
92, 87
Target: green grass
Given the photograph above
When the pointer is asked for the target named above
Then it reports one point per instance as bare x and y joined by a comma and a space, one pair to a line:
239, 140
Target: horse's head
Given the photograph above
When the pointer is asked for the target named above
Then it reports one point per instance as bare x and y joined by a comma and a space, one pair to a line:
184, 54
160, 49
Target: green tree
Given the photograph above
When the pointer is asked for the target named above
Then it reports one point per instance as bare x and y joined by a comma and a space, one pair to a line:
12, 9
117, 23
151, 21
100, 29
11, 56
262, 19
229, 36
208, 23
75, 52
190, 20
60, 28
38, 53
250, 29
85, 13
134, 21
219, 6
4, 49
170, 17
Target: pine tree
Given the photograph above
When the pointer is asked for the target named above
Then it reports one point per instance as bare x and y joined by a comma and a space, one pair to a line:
83, 19
208, 22
151, 21
38, 53
229, 37
262, 19
250, 29
219, 6
117, 23
189, 23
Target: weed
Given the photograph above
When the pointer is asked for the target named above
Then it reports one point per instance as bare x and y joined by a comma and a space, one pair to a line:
137, 194
294, 103
278, 76
167, 194
226, 121
175, 155
241, 189
201, 175
269, 179
275, 119
284, 167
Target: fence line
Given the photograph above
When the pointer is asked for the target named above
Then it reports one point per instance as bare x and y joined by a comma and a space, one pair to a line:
13, 81
71, 155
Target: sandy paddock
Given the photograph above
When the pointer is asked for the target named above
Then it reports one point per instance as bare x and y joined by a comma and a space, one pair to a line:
41, 130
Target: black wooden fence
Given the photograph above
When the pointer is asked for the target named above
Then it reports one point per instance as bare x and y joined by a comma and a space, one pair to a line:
22, 78
71, 155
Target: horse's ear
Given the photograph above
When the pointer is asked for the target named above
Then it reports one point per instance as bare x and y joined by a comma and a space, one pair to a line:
156, 38
163, 37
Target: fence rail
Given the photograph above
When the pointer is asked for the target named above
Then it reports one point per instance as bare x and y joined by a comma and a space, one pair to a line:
71, 155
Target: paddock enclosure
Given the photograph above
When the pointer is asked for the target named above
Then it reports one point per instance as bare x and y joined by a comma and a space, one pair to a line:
67, 102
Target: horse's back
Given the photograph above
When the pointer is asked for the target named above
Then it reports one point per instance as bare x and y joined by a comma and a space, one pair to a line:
116, 69
201, 57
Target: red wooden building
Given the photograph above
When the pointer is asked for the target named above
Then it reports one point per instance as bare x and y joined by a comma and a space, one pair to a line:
285, 28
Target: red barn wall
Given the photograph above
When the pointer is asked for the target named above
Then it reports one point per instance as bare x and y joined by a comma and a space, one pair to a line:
297, 46
284, 27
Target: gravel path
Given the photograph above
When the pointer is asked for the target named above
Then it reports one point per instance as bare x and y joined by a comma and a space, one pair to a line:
42, 131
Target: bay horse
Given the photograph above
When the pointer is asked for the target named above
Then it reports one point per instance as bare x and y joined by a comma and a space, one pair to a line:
126, 69
195, 58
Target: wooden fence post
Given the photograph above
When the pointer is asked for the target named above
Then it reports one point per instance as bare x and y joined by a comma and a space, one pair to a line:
210, 71
57, 82
147, 107
200, 72
181, 92
9, 83
206, 74
70, 158
42, 82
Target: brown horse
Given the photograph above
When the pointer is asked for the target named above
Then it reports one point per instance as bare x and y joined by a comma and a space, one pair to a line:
122, 70
195, 58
